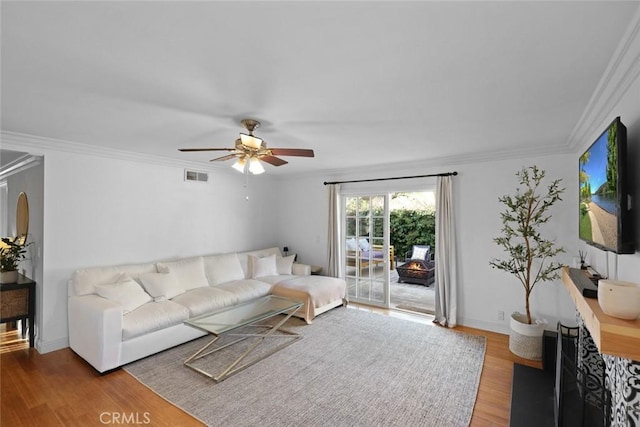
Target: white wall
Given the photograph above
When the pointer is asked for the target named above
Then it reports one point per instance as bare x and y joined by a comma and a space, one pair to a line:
482, 291
109, 211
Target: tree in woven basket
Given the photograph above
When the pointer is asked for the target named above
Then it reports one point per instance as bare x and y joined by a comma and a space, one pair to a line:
530, 254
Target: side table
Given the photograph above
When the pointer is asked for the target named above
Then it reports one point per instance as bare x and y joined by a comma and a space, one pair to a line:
18, 302
316, 270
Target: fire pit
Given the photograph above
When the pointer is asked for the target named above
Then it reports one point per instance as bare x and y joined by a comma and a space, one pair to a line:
416, 271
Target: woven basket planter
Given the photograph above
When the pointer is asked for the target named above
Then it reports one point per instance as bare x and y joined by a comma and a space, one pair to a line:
526, 340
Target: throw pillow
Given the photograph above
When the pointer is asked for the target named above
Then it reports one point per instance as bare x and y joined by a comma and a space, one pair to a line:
351, 244
189, 272
265, 266
420, 252
284, 265
128, 293
223, 268
161, 286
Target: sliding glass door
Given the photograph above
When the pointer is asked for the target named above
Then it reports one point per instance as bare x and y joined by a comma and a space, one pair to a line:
379, 232
366, 248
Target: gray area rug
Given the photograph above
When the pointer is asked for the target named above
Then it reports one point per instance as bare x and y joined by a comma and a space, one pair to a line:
352, 368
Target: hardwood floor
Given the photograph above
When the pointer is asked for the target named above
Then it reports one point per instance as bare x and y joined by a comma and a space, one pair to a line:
11, 339
61, 389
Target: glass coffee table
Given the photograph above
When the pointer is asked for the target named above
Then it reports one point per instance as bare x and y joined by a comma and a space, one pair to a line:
228, 320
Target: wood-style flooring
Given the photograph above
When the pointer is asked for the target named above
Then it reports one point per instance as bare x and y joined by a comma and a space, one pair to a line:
61, 389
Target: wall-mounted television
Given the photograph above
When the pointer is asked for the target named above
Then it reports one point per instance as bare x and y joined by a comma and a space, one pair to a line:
605, 203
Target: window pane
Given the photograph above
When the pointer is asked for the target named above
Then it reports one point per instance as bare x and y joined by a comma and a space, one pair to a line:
364, 227
350, 206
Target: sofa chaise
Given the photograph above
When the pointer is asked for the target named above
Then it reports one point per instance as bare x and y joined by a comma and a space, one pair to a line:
119, 314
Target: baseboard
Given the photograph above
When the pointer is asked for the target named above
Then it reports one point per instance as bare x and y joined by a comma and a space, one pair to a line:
500, 327
49, 346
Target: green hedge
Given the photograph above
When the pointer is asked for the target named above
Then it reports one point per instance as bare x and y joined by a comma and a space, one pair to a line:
410, 227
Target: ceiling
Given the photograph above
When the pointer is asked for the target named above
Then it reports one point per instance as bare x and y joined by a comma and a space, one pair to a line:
361, 83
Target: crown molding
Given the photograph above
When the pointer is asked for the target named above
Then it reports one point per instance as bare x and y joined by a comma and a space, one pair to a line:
433, 165
20, 164
623, 70
40, 146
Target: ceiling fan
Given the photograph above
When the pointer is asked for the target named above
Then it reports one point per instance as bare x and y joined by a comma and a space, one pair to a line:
250, 149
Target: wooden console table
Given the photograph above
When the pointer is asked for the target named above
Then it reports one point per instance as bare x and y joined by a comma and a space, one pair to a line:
18, 302
616, 337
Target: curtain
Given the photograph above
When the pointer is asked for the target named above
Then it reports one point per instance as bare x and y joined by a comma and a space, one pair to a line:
445, 259
333, 247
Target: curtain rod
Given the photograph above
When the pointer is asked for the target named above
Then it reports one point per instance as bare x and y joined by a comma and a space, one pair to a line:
396, 177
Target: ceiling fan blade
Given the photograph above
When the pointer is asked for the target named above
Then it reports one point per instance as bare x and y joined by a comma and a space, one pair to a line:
205, 149
223, 158
272, 160
300, 152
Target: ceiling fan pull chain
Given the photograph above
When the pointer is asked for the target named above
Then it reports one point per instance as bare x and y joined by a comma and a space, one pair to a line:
246, 182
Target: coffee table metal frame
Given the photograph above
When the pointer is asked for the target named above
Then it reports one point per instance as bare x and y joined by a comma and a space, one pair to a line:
247, 314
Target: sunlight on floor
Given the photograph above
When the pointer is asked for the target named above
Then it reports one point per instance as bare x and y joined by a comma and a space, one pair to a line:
399, 314
11, 340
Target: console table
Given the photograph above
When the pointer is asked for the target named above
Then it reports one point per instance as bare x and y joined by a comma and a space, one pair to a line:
18, 302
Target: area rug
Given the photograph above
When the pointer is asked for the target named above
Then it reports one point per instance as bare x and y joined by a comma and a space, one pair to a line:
352, 368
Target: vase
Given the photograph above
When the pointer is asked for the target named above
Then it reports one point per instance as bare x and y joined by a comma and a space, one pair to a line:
525, 340
9, 276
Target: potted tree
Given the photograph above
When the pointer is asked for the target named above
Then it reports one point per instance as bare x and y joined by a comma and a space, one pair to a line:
11, 254
530, 255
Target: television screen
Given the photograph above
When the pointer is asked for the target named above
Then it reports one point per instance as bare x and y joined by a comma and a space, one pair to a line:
604, 207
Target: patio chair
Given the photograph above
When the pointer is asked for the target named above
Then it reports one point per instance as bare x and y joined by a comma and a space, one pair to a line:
367, 254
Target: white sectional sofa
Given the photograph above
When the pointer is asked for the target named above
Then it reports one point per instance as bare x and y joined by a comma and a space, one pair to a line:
119, 314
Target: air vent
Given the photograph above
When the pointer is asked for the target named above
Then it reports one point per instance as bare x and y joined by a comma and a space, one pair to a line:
195, 176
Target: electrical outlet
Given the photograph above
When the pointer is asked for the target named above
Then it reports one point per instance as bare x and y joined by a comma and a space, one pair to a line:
500, 315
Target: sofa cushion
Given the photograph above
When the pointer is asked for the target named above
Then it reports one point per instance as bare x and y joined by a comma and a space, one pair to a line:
265, 266
352, 244
284, 265
162, 286
202, 300
84, 280
222, 268
189, 272
152, 316
246, 289
127, 292
364, 244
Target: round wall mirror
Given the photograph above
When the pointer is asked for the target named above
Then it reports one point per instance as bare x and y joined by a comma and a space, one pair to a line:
22, 218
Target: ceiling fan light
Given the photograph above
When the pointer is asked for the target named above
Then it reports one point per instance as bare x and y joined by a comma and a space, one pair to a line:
250, 141
255, 167
240, 164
